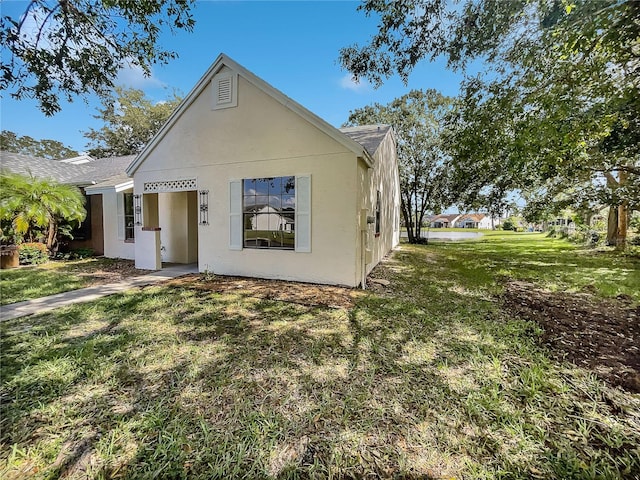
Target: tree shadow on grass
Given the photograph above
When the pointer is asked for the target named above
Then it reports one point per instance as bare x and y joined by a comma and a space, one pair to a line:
211, 385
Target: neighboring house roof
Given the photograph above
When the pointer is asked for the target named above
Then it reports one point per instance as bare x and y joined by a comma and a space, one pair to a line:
103, 169
448, 217
474, 217
222, 61
79, 160
369, 136
118, 182
41, 167
89, 173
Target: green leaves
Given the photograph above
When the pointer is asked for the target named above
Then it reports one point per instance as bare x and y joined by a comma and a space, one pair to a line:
25, 145
31, 203
555, 114
416, 119
65, 49
130, 121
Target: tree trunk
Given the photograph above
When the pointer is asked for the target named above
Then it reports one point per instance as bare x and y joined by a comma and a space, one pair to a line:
612, 226
408, 222
623, 216
52, 233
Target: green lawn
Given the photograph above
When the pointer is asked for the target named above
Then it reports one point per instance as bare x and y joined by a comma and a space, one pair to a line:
428, 380
552, 263
24, 283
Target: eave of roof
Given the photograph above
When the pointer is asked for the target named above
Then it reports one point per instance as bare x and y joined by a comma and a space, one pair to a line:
219, 63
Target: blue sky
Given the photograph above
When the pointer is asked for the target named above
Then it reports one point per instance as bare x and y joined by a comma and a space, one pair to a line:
292, 45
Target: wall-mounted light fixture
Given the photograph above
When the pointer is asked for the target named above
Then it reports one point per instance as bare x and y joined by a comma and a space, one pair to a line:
137, 209
204, 207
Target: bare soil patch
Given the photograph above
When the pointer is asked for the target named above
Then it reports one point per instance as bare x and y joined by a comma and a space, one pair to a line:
114, 271
602, 335
307, 294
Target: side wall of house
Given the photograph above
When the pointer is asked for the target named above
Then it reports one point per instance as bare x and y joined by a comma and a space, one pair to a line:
383, 178
114, 244
208, 148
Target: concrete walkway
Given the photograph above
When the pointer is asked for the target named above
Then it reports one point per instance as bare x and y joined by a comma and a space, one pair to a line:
44, 304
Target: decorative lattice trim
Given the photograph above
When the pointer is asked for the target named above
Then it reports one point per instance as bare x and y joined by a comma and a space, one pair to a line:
171, 186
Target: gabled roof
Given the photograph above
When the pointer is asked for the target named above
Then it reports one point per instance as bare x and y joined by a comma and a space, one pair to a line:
369, 136
222, 61
84, 174
475, 217
448, 217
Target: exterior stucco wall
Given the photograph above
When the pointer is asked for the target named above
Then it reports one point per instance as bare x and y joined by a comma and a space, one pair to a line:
261, 138
113, 246
485, 223
383, 177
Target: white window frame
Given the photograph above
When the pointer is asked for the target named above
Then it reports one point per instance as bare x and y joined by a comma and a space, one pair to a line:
302, 215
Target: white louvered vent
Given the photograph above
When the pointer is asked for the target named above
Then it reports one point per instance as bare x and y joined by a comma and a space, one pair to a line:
225, 91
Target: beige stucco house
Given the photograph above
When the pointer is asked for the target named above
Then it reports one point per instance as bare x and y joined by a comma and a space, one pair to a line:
243, 180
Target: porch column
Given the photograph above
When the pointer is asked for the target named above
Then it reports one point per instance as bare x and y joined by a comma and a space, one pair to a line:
148, 248
148, 236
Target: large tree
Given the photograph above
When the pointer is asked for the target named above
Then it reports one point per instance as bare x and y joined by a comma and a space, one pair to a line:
130, 121
26, 145
417, 119
559, 105
31, 203
61, 49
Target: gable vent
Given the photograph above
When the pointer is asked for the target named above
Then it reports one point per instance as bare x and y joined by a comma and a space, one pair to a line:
225, 91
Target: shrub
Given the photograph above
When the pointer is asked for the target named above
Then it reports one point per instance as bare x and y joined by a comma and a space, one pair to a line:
32, 253
81, 253
508, 225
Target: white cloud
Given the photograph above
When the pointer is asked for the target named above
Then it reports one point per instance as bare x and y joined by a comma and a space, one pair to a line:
350, 83
132, 76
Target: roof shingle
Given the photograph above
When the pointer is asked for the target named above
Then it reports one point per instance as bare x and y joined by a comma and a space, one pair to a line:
84, 174
369, 136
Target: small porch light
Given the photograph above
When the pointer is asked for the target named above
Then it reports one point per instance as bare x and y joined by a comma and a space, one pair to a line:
137, 209
204, 207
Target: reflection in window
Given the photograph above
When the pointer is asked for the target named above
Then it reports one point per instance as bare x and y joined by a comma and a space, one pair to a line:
129, 227
269, 212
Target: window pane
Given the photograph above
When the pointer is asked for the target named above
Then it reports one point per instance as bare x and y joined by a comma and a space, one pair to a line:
262, 186
269, 206
289, 185
275, 201
275, 186
288, 202
129, 228
249, 203
250, 187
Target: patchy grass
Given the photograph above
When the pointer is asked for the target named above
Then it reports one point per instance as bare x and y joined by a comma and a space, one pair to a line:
429, 379
57, 276
554, 264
